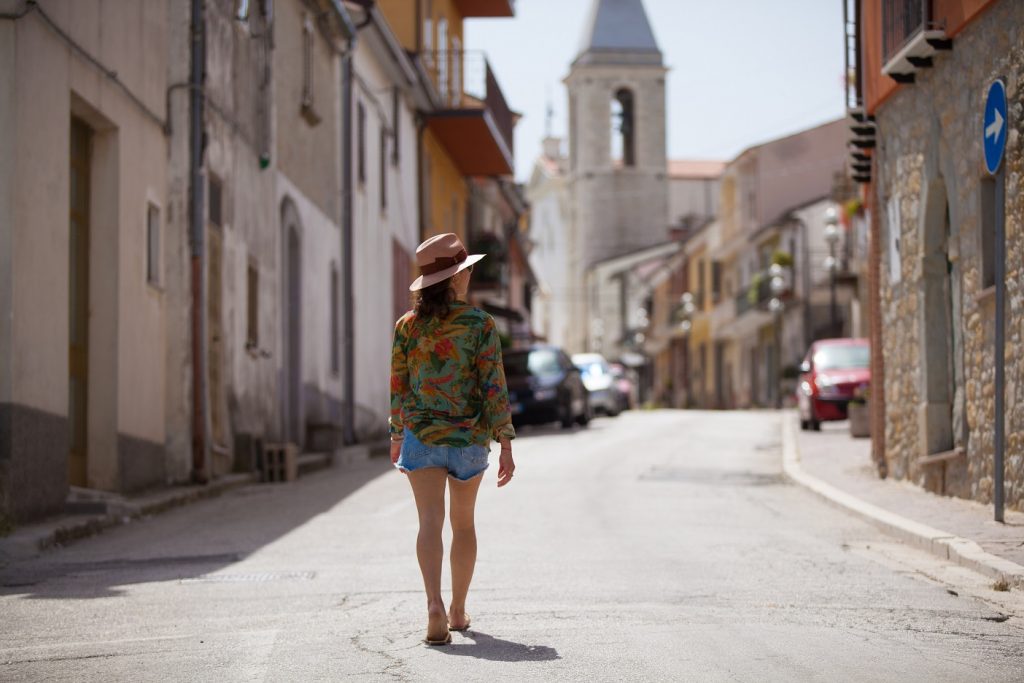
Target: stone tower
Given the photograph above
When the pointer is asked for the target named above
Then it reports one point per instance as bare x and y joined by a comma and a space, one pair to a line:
618, 166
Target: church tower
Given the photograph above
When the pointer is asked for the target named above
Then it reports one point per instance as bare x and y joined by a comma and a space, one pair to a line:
617, 165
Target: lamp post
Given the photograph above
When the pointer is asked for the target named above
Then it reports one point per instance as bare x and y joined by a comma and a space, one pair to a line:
777, 284
832, 265
687, 308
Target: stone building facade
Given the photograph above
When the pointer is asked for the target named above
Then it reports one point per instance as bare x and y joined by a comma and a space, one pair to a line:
933, 201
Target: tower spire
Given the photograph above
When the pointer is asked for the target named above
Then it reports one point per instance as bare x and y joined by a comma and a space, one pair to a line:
619, 31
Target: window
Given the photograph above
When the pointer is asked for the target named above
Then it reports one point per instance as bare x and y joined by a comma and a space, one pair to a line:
442, 59
383, 167
428, 33
992, 201
401, 270
152, 244
307, 61
700, 285
622, 128
335, 341
252, 306
427, 197
215, 207
361, 142
396, 124
716, 281
456, 71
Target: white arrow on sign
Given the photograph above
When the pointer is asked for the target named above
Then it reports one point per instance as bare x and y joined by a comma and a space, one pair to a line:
993, 129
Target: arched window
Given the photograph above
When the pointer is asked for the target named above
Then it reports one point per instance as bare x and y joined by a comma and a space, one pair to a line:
623, 128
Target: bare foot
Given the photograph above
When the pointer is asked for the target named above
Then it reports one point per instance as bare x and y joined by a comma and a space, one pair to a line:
458, 620
437, 623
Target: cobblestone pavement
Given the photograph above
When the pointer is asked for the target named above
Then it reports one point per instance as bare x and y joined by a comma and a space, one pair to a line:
652, 546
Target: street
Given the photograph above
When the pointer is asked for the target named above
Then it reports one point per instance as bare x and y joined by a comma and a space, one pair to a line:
659, 545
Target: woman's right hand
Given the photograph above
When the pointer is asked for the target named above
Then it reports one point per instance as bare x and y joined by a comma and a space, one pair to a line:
506, 465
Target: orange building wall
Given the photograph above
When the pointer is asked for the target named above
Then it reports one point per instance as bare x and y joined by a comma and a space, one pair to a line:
448, 194
955, 15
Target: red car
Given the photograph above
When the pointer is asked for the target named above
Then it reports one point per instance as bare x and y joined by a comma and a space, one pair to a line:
832, 373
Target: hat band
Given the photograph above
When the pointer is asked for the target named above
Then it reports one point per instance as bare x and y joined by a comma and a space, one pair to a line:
443, 263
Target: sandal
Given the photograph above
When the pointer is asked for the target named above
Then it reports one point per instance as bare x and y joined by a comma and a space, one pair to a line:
435, 643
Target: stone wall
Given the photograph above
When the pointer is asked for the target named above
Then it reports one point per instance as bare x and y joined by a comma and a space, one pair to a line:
930, 153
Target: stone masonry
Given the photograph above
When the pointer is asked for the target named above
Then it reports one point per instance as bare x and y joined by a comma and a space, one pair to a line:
930, 153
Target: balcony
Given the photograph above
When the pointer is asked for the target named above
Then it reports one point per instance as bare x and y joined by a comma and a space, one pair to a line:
473, 121
485, 8
755, 296
910, 38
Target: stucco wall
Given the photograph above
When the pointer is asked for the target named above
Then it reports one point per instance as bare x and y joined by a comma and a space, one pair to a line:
126, 318
374, 230
930, 145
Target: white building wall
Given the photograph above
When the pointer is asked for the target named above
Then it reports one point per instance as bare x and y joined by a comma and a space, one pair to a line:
549, 232
374, 230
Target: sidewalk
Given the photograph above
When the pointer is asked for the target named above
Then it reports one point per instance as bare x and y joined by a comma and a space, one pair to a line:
839, 468
32, 539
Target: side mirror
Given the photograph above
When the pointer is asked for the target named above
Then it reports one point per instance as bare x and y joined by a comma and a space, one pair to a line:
805, 366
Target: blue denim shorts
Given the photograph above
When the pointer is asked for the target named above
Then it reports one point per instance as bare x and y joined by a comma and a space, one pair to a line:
462, 463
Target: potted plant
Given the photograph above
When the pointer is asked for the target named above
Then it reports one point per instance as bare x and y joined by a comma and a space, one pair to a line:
857, 409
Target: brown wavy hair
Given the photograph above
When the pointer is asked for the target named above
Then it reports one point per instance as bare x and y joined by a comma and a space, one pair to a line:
435, 301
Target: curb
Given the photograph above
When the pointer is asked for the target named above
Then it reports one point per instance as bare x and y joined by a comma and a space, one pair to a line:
942, 544
30, 541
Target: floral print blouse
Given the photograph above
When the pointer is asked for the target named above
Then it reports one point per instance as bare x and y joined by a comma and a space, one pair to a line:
447, 379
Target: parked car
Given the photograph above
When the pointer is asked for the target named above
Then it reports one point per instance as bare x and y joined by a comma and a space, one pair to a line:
624, 386
599, 381
544, 386
832, 372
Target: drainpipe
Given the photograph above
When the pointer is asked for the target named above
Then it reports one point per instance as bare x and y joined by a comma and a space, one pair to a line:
347, 281
200, 445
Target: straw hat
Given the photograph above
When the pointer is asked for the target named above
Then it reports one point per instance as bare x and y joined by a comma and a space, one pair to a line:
439, 258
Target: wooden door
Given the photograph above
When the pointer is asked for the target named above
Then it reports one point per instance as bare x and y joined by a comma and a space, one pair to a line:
78, 301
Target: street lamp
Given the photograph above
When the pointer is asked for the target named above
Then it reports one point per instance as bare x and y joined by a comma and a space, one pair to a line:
687, 308
778, 286
831, 264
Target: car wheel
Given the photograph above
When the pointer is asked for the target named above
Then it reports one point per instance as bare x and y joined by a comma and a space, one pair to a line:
567, 416
587, 415
803, 425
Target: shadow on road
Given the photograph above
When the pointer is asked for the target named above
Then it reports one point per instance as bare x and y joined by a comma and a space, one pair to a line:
494, 649
188, 544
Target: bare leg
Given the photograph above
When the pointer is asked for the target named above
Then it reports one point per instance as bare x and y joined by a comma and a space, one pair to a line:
428, 489
463, 506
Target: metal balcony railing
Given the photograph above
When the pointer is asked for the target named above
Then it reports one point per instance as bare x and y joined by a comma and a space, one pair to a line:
756, 295
464, 80
901, 20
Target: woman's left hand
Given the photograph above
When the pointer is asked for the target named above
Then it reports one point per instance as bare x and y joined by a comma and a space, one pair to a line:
396, 450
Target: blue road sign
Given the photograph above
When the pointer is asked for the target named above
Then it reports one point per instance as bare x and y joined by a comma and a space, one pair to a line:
994, 123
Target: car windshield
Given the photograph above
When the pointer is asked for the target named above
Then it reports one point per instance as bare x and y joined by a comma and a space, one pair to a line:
842, 357
539, 363
595, 368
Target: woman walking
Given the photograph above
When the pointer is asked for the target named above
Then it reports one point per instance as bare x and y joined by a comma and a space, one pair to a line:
448, 402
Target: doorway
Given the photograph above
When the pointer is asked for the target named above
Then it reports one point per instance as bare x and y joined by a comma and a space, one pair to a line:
939, 338
78, 301
292, 321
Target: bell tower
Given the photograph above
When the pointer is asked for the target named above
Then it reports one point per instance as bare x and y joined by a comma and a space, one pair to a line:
617, 153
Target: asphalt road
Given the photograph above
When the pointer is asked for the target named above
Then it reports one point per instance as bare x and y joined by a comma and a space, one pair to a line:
652, 546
